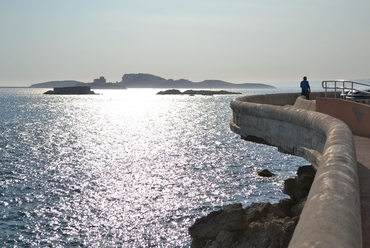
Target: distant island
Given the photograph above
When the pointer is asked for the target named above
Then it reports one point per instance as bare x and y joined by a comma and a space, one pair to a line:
98, 83
142, 80
197, 92
73, 90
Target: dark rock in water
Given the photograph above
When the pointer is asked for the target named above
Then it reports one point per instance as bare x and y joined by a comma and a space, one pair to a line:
299, 187
197, 92
265, 173
209, 92
231, 218
76, 90
307, 170
170, 92
258, 225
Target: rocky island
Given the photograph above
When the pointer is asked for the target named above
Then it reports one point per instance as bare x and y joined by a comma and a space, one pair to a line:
76, 90
98, 83
142, 80
197, 92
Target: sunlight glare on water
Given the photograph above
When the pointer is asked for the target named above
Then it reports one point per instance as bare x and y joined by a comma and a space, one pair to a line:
124, 168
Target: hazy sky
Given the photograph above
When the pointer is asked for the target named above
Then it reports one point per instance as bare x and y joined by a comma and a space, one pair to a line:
233, 40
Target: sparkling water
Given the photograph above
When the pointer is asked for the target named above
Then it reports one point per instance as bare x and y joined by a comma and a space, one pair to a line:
125, 168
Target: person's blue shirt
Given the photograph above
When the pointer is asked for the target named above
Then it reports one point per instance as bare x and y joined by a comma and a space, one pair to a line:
305, 85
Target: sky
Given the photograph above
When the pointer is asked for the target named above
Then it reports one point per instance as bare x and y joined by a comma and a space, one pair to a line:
238, 41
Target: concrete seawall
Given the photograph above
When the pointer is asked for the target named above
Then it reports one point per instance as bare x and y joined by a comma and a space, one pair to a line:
331, 216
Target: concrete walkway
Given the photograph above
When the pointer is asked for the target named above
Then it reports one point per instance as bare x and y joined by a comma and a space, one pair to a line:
362, 145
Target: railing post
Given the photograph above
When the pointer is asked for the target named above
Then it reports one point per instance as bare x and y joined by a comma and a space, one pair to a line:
343, 88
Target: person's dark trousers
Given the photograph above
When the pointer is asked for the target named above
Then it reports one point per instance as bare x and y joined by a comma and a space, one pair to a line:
306, 93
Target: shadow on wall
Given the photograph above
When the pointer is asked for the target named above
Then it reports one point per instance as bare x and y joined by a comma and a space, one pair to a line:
355, 115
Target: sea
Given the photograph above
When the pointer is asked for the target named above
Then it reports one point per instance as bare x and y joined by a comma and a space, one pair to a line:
125, 168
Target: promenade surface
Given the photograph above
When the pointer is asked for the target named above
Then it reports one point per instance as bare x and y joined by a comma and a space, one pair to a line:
362, 145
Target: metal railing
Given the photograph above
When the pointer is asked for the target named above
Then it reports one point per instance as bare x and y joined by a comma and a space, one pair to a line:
343, 85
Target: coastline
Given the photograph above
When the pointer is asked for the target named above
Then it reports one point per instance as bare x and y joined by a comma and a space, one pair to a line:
259, 224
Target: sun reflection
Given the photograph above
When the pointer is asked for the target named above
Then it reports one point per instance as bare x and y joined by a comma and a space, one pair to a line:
126, 168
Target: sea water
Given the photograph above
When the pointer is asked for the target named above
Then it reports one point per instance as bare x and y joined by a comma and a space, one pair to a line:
124, 168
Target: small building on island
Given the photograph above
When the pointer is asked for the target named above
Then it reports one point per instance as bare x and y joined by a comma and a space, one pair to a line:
100, 80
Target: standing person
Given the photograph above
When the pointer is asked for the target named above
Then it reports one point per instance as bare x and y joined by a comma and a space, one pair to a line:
306, 89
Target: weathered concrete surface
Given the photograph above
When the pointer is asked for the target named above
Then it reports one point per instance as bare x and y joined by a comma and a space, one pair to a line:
331, 216
302, 103
278, 125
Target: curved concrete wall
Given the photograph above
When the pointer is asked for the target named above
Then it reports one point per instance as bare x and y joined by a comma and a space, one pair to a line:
331, 216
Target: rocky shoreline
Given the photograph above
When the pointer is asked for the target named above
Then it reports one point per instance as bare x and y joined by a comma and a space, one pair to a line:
258, 225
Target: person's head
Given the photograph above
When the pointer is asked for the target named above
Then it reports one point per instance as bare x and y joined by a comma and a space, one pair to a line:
304, 78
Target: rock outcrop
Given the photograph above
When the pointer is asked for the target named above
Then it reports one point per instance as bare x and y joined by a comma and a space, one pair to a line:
170, 92
258, 225
298, 188
197, 92
265, 173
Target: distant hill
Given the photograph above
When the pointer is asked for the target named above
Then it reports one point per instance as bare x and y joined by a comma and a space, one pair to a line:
151, 81
142, 80
71, 83
63, 83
